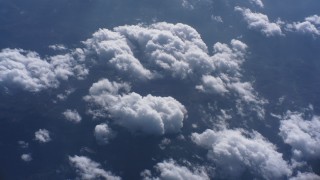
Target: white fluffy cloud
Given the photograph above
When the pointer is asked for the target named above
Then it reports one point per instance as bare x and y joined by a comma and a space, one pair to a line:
72, 115
257, 2
234, 151
148, 114
310, 25
42, 135
26, 157
29, 71
113, 48
301, 134
176, 49
90, 170
103, 133
169, 169
260, 22
306, 176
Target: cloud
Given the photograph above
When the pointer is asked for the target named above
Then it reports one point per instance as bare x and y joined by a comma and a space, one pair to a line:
260, 22
72, 115
301, 134
175, 49
26, 69
103, 133
89, 170
113, 48
310, 25
23, 144
226, 79
257, 2
148, 114
234, 151
42, 135
305, 176
169, 169
26, 157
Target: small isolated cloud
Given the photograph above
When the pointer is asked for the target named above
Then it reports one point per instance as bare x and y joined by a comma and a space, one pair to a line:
257, 2
42, 135
306, 176
23, 144
103, 133
26, 157
26, 69
310, 25
58, 47
234, 151
169, 169
72, 115
302, 134
260, 22
88, 170
148, 114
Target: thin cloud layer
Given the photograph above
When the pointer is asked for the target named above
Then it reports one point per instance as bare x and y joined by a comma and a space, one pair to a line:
260, 22
234, 151
148, 114
169, 169
310, 25
26, 69
88, 169
301, 134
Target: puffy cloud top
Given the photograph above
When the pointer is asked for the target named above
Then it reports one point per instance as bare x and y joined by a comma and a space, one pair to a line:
26, 157
27, 70
103, 133
260, 22
310, 25
72, 115
257, 2
42, 135
148, 114
235, 150
301, 134
171, 170
88, 169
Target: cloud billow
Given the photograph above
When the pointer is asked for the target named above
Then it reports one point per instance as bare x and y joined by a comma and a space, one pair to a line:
148, 114
234, 151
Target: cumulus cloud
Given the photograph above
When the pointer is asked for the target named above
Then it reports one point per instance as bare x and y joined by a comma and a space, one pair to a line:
103, 133
169, 169
72, 115
234, 151
113, 48
89, 170
306, 176
310, 25
257, 2
301, 134
260, 22
42, 135
175, 49
26, 69
226, 78
26, 157
148, 114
